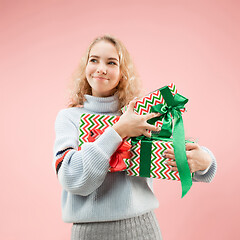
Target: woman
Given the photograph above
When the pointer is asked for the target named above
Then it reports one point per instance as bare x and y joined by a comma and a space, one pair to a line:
100, 204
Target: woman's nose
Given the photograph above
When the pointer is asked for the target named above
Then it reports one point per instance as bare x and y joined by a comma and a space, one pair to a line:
102, 69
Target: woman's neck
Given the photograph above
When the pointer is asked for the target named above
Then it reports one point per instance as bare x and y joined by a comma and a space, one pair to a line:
101, 104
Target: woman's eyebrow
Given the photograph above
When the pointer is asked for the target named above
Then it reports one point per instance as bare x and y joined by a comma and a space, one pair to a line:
108, 58
112, 59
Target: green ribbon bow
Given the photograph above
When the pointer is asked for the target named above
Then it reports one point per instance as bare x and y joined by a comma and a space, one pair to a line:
169, 111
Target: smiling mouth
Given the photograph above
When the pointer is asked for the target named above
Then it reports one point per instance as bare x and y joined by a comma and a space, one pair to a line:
100, 78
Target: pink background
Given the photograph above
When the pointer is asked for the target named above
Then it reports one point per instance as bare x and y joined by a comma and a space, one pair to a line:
194, 44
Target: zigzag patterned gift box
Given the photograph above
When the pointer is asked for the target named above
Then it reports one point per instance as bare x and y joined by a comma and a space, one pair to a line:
156, 166
89, 122
143, 105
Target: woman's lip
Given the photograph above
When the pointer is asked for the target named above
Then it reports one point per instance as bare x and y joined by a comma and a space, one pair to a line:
100, 78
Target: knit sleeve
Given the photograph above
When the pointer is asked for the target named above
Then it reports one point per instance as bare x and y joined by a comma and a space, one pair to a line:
208, 174
81, 172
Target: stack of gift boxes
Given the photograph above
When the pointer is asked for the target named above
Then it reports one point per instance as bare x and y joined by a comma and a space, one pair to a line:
145, 156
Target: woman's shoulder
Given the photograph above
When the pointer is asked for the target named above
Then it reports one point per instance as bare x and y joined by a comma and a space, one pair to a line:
70, 110
72, 113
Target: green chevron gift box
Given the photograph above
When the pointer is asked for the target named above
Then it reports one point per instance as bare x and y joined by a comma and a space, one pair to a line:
92, 126
143, 105
150, 163
91, 122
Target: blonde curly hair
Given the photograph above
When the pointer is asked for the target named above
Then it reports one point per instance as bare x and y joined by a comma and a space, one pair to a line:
126, 90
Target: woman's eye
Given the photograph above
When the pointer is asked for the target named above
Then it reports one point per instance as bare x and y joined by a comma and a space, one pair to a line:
112, 63
93, 60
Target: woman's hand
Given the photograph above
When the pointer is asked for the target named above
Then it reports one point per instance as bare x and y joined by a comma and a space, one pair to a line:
198, 159
131, 124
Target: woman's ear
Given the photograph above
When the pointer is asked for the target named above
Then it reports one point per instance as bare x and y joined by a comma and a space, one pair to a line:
123, 77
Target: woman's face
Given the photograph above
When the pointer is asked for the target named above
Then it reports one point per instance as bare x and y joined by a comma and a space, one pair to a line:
102, 70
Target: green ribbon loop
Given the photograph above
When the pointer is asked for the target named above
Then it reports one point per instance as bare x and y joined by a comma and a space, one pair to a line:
169, 111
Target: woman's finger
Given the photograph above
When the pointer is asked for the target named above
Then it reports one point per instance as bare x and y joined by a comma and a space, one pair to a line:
168, 155
170, 151
191, 146
174, 168
191, 165
189, 154
147, 133
171, 163
132, 104
151, 115
152, 127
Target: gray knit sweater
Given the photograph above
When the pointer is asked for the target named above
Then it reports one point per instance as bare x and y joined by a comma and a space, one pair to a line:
89, 192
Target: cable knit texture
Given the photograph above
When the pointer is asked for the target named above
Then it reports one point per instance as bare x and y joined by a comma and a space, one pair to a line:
90, 193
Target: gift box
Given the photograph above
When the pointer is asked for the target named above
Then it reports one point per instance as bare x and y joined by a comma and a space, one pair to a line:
152, 162
143, 105
90, 124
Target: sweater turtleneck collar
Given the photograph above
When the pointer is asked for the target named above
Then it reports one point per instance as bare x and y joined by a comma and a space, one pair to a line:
101, 104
